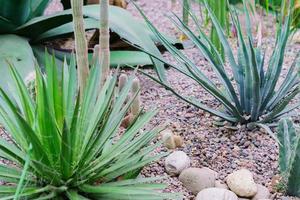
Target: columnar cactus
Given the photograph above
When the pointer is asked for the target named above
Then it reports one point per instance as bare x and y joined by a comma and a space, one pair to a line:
104, 52
122, 81
80, 43
136, 104
289, 156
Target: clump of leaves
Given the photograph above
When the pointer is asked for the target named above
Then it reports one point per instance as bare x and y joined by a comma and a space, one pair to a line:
289, 156
74, 147
254, 93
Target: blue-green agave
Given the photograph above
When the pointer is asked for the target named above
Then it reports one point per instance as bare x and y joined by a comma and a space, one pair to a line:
254, 94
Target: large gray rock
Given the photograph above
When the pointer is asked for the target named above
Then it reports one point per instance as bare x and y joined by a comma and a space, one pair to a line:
216, 194
197, 179
262, 193
176, 162
241, 182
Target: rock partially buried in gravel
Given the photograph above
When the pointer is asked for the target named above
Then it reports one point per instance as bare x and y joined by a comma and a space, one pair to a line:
262, 193
168, 139
241, 183
216, 194
176, 162
197, 179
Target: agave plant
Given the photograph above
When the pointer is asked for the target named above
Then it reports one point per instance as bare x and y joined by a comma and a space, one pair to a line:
24, 30
71, 148
289, 155
254, 93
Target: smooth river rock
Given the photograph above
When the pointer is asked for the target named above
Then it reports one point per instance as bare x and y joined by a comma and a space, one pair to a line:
197, 179
176, 162
216, 194
241, 182
262, 193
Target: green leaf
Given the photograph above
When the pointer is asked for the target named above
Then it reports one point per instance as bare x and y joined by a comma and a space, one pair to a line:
117, 58
26, 103
9, 9
11, 152
24, 130
256, 81
47, 126
7, 25
17, 51
38, 7
13, 175
281, 105
23, 175
73, 195
142, 191
129, 58
38, 25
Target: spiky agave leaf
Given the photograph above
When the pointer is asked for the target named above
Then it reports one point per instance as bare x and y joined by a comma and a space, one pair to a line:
77, 151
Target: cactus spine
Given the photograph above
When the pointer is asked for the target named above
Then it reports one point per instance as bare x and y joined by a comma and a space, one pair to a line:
289, 156
80, 43
104, 53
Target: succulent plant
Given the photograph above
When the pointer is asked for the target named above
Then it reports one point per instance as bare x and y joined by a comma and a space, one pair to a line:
122, 81
289, 155
136, 104
250, 93
68, 148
